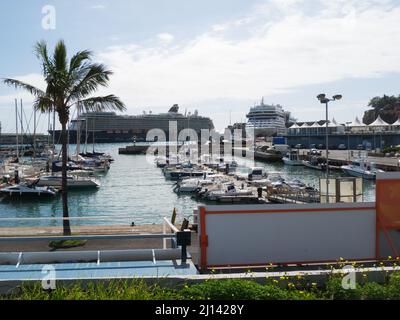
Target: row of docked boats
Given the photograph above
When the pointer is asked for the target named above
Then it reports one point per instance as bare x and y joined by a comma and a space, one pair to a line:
359, 167
42, 177
226, 181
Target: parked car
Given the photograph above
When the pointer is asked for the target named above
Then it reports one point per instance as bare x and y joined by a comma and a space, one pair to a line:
314, 152
342, 147
298, 146
321, 146
360, 147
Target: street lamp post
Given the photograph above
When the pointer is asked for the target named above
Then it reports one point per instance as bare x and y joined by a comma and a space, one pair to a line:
348, 140
323, 99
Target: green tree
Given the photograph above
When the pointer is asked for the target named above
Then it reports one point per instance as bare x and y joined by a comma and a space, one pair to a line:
69, 83
388, 107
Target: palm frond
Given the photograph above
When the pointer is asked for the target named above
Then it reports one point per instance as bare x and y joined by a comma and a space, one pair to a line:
93, 104
60, 57
41, 52
43, 104
78, 59
22, 85
92, 76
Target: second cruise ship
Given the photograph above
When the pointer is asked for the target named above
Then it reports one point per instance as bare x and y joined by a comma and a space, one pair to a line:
266, 120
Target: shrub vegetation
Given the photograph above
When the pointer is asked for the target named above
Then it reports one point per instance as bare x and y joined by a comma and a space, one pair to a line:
235, 289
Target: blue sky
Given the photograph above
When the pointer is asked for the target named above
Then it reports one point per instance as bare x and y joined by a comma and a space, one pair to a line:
217, 56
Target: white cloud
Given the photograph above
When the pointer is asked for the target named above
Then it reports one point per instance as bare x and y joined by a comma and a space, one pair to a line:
98, 7
346, 39
275, 48
165, 38
33, 79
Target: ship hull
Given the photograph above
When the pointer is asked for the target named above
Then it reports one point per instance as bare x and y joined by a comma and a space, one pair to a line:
99, 137
108, 127
264, 132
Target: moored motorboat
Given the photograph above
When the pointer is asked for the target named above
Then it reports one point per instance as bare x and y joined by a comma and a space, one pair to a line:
292, 159
25, 190
314, 163
361, 167
73, 182
228, 190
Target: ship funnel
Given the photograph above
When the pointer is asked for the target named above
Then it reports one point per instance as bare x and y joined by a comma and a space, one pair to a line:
174, 108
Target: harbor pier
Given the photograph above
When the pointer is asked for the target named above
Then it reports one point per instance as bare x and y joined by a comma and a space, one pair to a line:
339, 158
27, 139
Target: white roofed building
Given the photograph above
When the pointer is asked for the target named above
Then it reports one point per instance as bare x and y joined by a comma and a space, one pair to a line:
379, 125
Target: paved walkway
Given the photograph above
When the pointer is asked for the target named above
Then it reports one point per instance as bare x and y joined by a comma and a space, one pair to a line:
82, 230
100, 244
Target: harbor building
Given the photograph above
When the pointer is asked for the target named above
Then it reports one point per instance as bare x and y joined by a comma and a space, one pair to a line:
352, 135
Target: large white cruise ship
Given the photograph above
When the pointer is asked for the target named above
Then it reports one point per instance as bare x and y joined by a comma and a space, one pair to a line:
110, 127
266, 120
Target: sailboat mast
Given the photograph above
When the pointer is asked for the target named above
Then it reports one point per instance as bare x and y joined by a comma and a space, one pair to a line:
22, 127
93, 134
16, 127
68, 139
78, 134
86, 133
34, 133
54, 131
48, 130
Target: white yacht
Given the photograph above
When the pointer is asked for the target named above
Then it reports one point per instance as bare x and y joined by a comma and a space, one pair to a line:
266, 120
193, 185
228, 190
24, 190
361, 167
292, 159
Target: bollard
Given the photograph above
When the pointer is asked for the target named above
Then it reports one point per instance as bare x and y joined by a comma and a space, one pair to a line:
185, 224
184, 239
16, 176
259, 192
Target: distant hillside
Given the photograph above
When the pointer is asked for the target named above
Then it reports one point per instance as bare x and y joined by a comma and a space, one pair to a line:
388, 107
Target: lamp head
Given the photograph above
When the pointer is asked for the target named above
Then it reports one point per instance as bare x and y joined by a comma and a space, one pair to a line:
337, 97
321, 96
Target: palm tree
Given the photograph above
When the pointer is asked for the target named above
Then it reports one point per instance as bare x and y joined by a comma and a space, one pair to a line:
69, 83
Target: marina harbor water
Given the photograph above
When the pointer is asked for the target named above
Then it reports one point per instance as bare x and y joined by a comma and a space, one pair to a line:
133, 191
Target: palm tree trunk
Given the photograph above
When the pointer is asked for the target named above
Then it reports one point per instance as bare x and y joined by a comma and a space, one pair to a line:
64, 186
